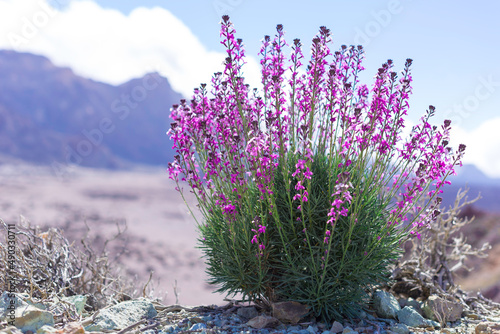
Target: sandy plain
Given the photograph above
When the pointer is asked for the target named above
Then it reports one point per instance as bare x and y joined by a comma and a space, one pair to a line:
160, 233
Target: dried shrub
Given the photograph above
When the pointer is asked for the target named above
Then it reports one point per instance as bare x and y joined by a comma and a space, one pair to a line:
430, 264
46, 265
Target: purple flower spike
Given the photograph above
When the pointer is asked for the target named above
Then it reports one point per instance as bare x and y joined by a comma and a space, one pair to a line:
231, 140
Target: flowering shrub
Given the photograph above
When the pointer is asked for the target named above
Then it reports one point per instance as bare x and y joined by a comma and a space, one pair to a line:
306, 187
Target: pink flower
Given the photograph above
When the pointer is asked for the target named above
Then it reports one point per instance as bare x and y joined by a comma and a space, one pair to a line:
337, 203
230, 139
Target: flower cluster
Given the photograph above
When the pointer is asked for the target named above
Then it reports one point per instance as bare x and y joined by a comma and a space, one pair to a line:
254, 152
239, 137
341, 196
259, 230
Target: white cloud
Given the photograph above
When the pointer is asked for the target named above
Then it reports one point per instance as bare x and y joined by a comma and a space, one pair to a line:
106, 45
483, 149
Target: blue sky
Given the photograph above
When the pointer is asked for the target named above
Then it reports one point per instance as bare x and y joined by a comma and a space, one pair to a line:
453, 43
455, 46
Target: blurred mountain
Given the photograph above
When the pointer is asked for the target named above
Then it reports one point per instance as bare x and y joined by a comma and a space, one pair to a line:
471, 174
478, 183
49, 115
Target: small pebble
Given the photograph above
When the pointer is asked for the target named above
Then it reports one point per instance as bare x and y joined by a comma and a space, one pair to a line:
349, 330
198, 326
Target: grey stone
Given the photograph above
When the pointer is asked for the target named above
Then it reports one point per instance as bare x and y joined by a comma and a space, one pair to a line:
263, 321
311, 329
9, 302
415, 304
198, 326
290, 311
336, 327
349, 330
169, 329
448, 331
247, 312
26, 314
385, 304
439, 309
433, 323
390, 322
482, 328
31, 318
122, 315
322, 326
79, 301
400, 329
410, 317
487, 328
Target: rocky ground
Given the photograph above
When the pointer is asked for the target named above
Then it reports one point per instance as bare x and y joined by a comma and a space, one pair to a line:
386, 315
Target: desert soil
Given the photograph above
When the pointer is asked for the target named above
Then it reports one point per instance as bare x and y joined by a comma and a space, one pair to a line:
161, 235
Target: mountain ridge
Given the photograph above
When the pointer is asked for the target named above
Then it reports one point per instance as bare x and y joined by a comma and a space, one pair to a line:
50, 115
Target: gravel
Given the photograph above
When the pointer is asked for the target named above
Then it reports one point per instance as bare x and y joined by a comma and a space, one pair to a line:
225, 320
